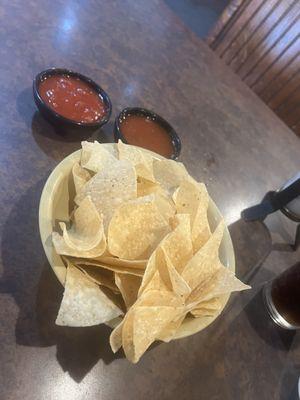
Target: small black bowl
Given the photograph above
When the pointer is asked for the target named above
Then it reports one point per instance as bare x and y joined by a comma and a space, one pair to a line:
58, 120
155, 117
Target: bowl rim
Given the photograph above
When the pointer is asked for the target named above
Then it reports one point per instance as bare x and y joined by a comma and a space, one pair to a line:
189, 326
65, 71
175, 139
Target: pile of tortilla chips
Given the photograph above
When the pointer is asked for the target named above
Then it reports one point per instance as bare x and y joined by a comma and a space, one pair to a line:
139, 246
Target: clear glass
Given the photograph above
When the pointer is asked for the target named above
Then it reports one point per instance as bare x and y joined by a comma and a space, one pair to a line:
282, 298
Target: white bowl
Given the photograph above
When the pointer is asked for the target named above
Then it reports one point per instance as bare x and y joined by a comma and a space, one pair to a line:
54, 207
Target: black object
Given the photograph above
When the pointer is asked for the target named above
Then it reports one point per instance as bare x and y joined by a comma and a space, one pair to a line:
154, 117
57, 119
272, 202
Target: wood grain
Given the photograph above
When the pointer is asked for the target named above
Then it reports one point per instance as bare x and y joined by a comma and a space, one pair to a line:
279, 71
260, 41
283, 95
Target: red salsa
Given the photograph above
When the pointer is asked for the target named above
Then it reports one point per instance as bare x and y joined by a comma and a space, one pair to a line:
72, 98
145, 132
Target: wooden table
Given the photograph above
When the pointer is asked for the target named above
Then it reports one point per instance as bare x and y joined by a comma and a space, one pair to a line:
143, 55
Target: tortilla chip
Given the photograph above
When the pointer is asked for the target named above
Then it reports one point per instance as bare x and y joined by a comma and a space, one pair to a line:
203, 312
83, 303
95, 157
86, 236
170, 276
141, 160
165, 206
101, 276
178, 244
169, 174
80, 176
122, 262
110, 188
145, 187
224, 282
212, 304
128, 286
150, 270
155, 297
176, 247
156, 293
192, 198
170, 330
167, 277
136, 229
127, 335
87, 228
221, 282
115, 338
82, 262
141, 328
207, 308
205, 262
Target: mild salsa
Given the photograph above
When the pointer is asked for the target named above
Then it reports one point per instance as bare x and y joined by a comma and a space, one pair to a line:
145, 132
72, 98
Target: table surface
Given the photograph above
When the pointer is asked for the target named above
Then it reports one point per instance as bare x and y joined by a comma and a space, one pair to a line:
143, 55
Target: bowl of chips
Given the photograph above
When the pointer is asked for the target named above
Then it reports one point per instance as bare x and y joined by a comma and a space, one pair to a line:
137, 243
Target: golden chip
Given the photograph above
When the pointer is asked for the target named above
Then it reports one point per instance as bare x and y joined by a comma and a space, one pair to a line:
178, 244
145, 187
101, 276
168, 333
139, 158
220, 282
129, 287
142, 327
169, 174
115, 339
192, 198
84, 303
86, 237
207, 308
136, 229
95, 157
205, 261
80, 177
81, 262
110, 188
122, 262
165, 205
166, 275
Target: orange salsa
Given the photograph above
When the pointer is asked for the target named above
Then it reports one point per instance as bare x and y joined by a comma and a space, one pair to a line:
144, 132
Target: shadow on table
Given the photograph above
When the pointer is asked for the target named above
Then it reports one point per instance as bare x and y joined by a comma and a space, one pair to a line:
252, 244
78, 349
285, 232
254, 241
266, 329
49, 138
28, 278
